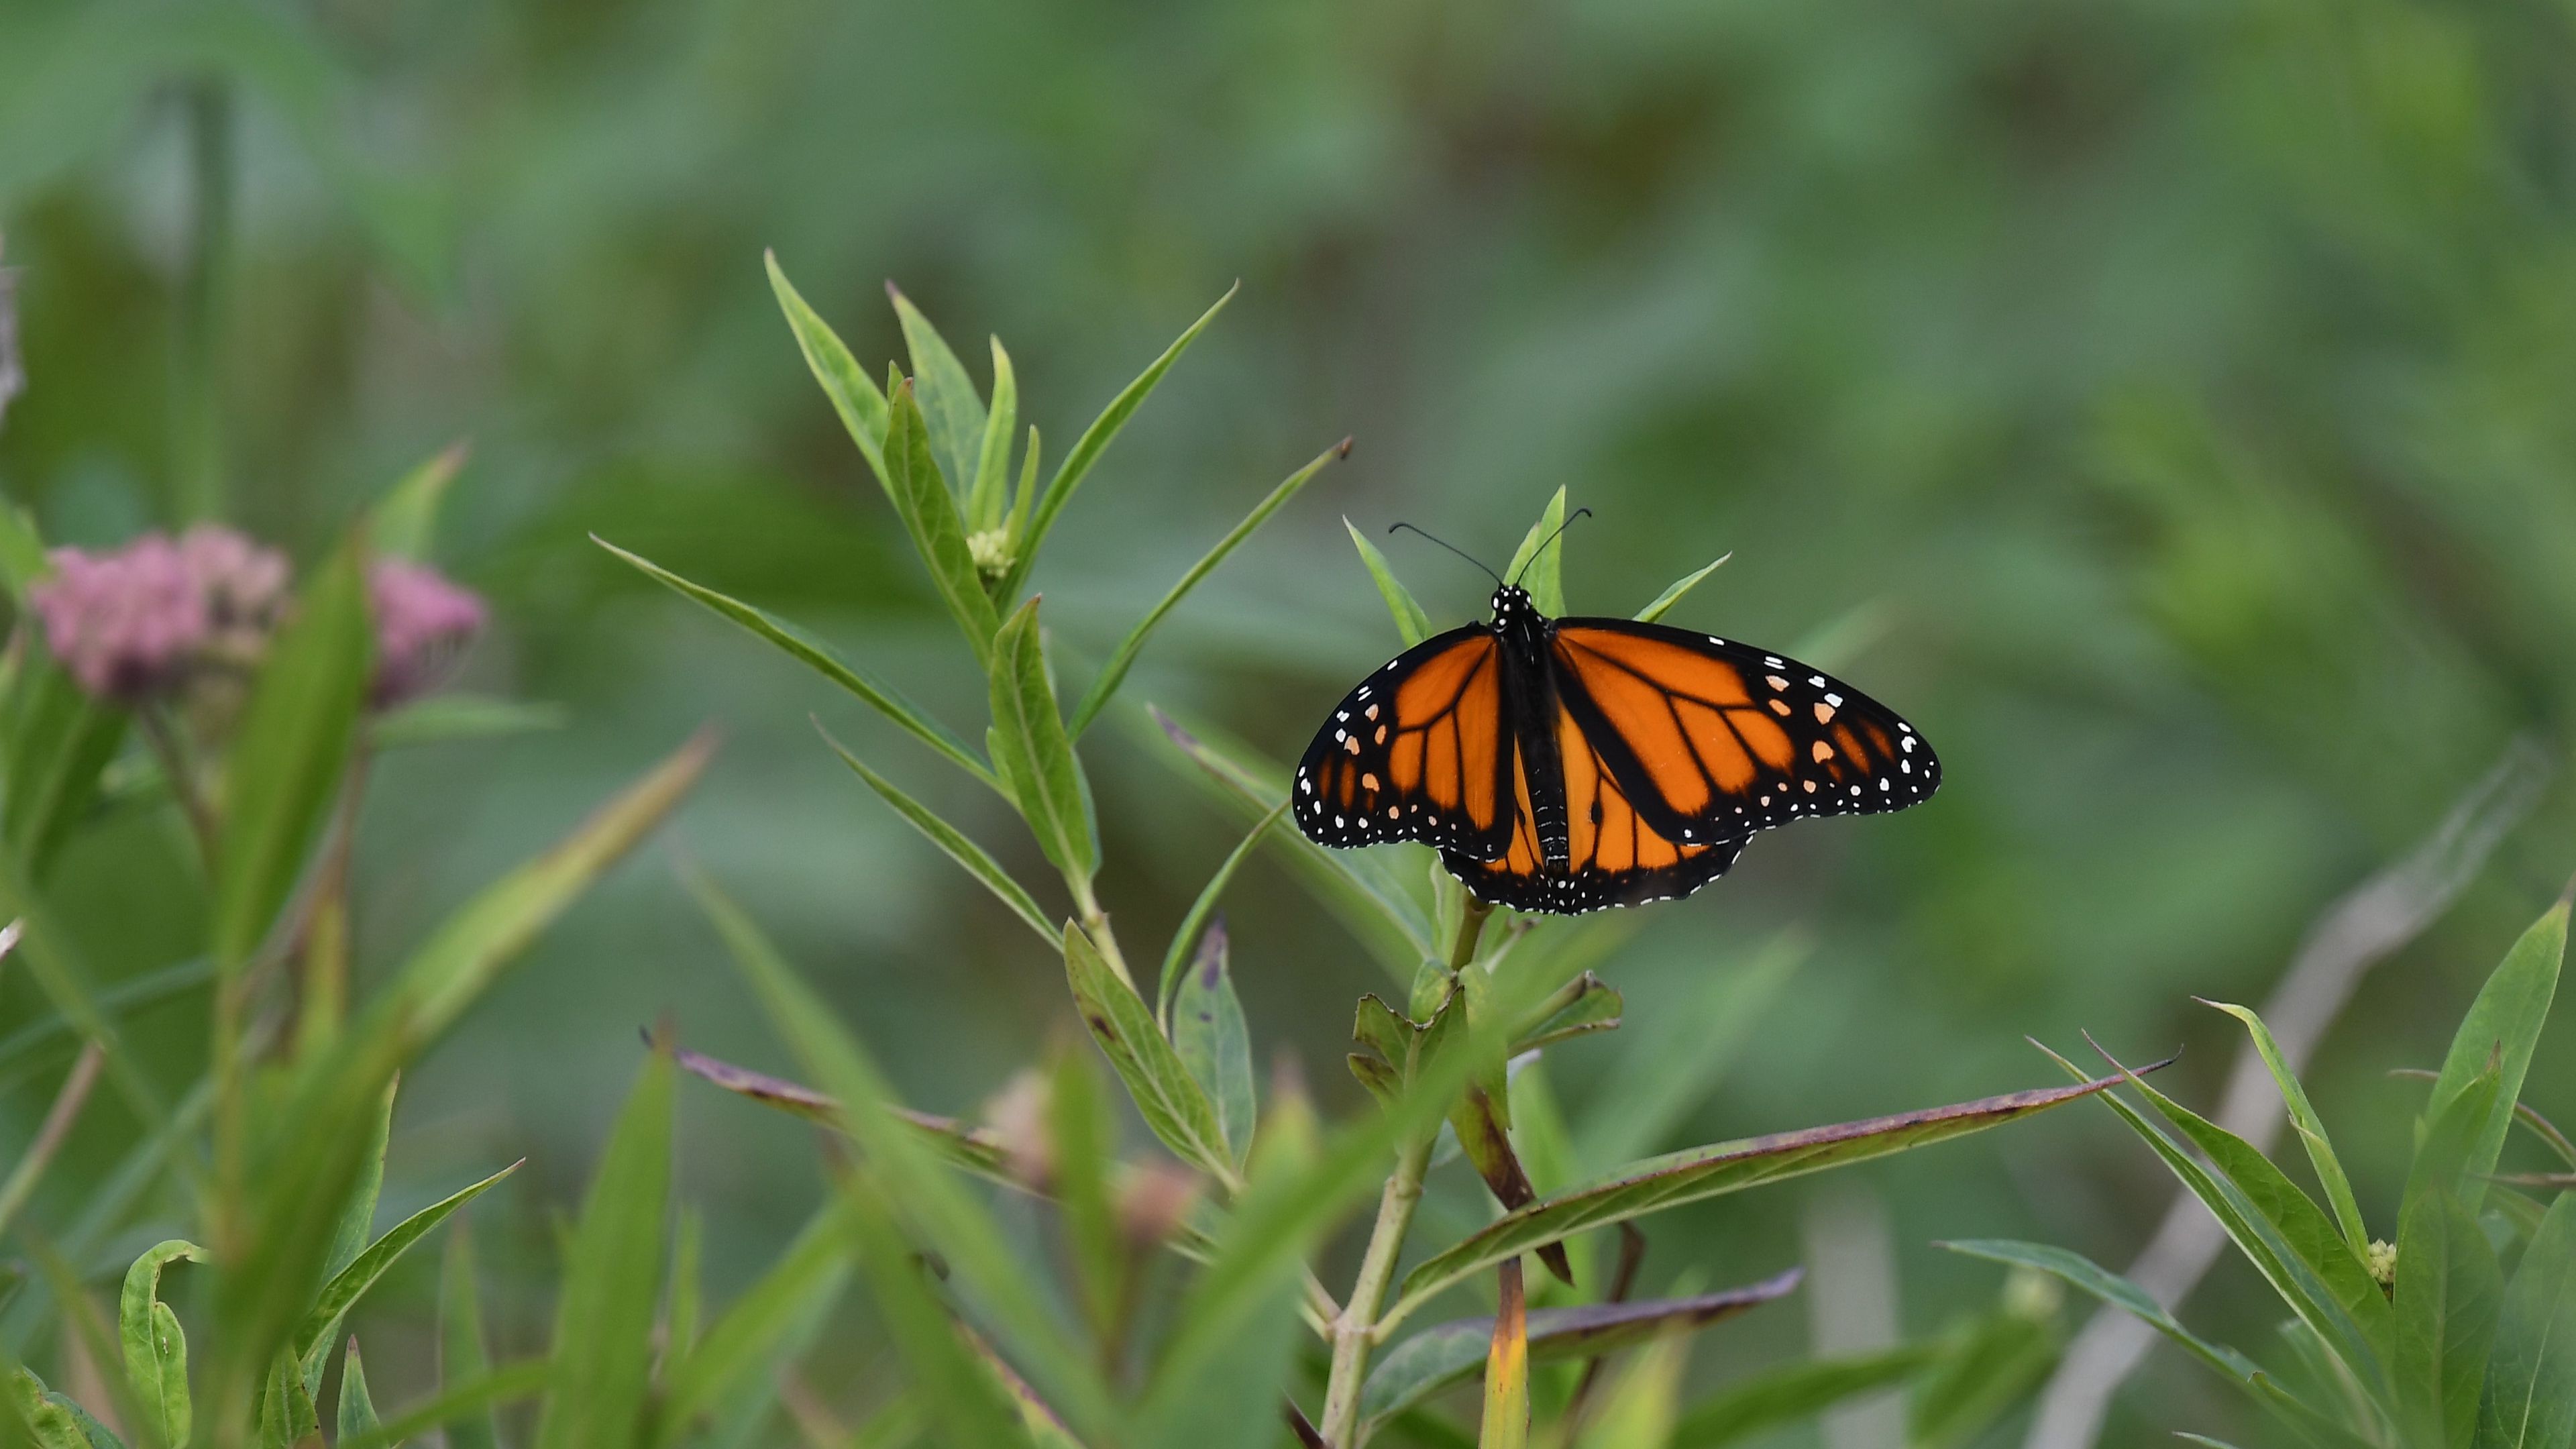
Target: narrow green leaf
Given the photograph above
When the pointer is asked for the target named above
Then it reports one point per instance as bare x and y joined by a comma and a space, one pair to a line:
467, 952
2311, 1129
1640, 1410
681, 1300
1033, 752
1085, 1141
1017, 529
1208, 1032
2530, 1397
949, 402
1165, 1093
952, 843
1538, 564
1664, 601
156, 1351
59, 742
1580, 1007
1123, 658
348, 1239
351, 1283
2084, 1274
1704, 1172
932, 1204
2503, 1025
357, 1412
854, 397
461, 1402
1094, 441
1794, 1391
988, 500
452, 715
963, 1399
929, 511
22, 547
1668, 1062
1449, 1353
289, 754
1193, 921
463, 1355
405, 521
808, 1276
1411, 624
2448, 1294
1505, 1422
612, 1278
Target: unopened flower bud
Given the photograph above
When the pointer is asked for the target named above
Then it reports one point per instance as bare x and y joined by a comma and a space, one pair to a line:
125, 624
423, 622
1154, 1201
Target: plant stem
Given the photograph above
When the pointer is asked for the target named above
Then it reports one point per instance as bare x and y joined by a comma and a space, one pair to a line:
1355, 1328
58, 1125
1095, 924
180, 769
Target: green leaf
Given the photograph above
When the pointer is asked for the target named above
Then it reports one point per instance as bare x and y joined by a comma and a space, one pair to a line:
469, 1401
1034, 754
1538, 564
932, 1205
289, 755
1664, 601
930, 514
462, 958
1121, 659
1580, 1007
348, 1240
987, 500
1177, 955
1988, 1366
2448, 1294
1705, 1172
1448, 1353
1165, 1093
1411, 624
156, 1350
854, 397
22, 547
1640, 1409
1669, 1061
2311, 1129
1794, 1391
1084, 1137
404, 521
59, 742
2503, 1025
949, 402
1505, 1422
612, 1278
2089, 1277
952, 843
2530, 1397
1209, 1034
1094, 441
808, 1277
439, 719
351, 1282
964, 1400
972, 1148
463, 1354
50, 1421
357, 1413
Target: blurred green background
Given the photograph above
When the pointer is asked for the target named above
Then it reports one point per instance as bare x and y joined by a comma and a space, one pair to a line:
2171, 407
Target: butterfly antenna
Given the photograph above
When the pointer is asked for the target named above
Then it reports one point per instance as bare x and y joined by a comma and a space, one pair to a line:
1453, 548
1551, 538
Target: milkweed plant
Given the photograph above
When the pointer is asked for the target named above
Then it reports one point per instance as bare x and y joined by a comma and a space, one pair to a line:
1043, 1278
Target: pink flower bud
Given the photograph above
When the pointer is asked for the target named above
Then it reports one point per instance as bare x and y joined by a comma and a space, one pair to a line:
423, 622
126, 624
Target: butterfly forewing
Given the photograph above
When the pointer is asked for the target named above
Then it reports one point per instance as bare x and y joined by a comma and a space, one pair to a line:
1419, 751
1710, 739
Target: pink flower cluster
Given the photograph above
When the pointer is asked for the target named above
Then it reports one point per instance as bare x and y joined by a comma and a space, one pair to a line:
138, 622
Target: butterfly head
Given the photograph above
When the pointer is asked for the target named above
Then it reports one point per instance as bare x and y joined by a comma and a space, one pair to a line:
1512, 602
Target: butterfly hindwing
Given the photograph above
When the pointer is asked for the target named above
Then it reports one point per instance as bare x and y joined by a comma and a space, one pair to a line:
1419, 751
1710, 739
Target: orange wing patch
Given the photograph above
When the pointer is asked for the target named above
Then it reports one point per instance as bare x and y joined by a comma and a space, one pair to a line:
1415, 753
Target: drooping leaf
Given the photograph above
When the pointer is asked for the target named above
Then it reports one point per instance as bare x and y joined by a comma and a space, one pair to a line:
1094, 441
2530, 1393
289, 752
612, 1278
1447, 1353
1034, 754
353, 1280
949, 402
156, 1350
1121, 659
1663, 604
2503, 1026
972, 1148
952, 843
2310, 1127
1411, 624
1208, 1032
1704, 1172
1538, 564
1167, 1096
854, 396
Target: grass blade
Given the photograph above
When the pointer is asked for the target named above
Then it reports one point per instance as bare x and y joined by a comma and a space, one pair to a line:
612, 1278
805, 649
1094, 441
1123, 658
953, 844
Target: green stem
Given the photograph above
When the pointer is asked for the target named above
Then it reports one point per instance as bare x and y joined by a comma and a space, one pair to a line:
198, 427
1355, 1329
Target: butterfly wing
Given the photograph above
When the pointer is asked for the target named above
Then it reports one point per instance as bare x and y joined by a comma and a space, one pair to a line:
1419, 751
1705, 739
1613, 857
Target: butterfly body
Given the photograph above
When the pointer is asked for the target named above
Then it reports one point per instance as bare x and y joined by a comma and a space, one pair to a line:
1566, 765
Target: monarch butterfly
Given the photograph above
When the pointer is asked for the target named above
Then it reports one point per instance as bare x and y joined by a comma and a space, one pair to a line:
1568, 765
